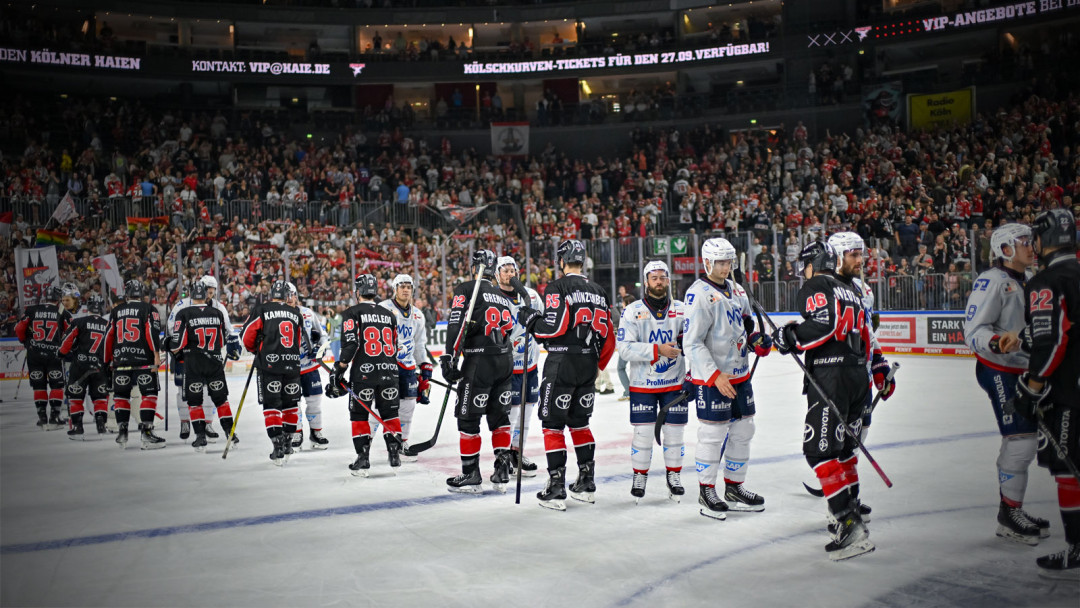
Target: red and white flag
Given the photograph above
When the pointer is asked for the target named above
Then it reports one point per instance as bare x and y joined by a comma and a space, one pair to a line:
65, 212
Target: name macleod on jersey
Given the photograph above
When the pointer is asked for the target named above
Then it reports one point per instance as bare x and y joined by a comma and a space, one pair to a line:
375, 318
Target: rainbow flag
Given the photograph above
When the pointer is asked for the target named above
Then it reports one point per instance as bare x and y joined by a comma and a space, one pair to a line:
52, 237
145, 223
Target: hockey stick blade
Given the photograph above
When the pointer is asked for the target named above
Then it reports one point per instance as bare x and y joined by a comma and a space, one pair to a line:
661, 416
814, 491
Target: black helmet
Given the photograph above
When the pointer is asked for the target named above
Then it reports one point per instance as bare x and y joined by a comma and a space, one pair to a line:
133, 289
279, 290
366, 286
572, 251
198, 290
487, 258
95, 304
820, 255
53, 294
1055, 228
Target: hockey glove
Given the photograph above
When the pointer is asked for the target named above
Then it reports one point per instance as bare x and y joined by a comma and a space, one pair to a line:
334, 388
761, 343
232, 348
423, 385
1027, 401
528, 317
784, 339
879, 367
688, 385
451, 373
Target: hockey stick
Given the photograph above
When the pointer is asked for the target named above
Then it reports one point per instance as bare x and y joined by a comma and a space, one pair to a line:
1057, 446
22, 371
442, 384
427, 445
521, 420
888, 377
813, 382
344, 385
239, 408
661, 416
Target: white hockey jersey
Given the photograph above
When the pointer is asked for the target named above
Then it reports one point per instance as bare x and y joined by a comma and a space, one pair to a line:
714, 339
316, 338
996, 306
868, 310
412, 334
641, 331
517, 335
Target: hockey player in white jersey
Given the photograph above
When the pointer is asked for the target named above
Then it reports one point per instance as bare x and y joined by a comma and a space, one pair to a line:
995, 318
718, 336
414, 368
524, 384
649, 339
311, 388
232, 350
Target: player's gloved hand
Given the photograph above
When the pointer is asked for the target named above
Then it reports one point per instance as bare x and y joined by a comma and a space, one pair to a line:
334, 388
1027, 402
688, 385
423, 384
761, 343
232, 348
451, 373
528, 317
519, 289
879, 367
784, 338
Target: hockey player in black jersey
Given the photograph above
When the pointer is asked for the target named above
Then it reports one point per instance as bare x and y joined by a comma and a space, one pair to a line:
836, 340
85, 342
486, 369
133, 348
274, 334
369, 342
576, 328
1049, 391
198, 334
40, 330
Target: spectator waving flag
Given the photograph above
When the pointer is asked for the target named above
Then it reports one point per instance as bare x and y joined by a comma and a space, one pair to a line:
459, 216
110, 273
36, 269
65, 211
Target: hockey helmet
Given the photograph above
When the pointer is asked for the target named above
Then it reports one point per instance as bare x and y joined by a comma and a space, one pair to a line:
506, 261
717, 250
1055, 228
572, 251
209, 281
819, 255
292, 289
133, 289
279, 290
843, 242
71, 290
95, 304
1007, 235
53, 294
654, 266
401, 279
366, 286
487, 258
198, 290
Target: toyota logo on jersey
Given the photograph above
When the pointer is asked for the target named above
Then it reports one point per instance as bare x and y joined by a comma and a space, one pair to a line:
195, 387
217, 385
807, 433
562, 402
36, 375
75, 389
367, 394
367, 368
272, 358
144, 379
481, 400
123, 380
389, 393
586, 400
506, 398
274, 387
292, 388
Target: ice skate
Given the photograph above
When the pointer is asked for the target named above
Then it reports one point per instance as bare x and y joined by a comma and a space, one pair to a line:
286, 446
362, 464
200, 443
637, 487
297, 441
407, 454
1042, 524
851, 538
278, 455
55, 422
76, 433
1013, 526
42, 418
554, 495
711, 504
211, 435
1064, 565
466, 483
99, 423
584, 489
185, 429
674, 486
150, 441
741, 499
318, 442
122, 435
501, 477
528, 467
393, 444
864, 512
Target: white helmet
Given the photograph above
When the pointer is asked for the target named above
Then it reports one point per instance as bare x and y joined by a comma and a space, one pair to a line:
209, 281
401, 279
71, 290
1007, 235
292, 289
504, 261
656, 265
844, 242
717, 250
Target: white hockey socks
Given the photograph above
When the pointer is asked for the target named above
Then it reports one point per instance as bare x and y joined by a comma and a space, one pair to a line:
711, 437
674, 449
641, 448
737, 454
515, 421
1016, 455
406, 407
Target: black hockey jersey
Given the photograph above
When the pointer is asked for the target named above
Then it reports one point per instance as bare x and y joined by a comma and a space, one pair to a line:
369, 340
199, 332
275, 334
577, 319
86, 339
42, 329
491, 324
834, 330
134, 337
1053, 319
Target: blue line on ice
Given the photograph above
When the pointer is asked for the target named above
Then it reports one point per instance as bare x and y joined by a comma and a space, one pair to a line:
243, 522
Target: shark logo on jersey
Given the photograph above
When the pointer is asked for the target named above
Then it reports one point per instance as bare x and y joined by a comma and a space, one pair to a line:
274, 387
367, 394
665, 364
562, 402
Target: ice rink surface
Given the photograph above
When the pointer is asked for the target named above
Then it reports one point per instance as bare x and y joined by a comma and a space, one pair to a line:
84, 524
